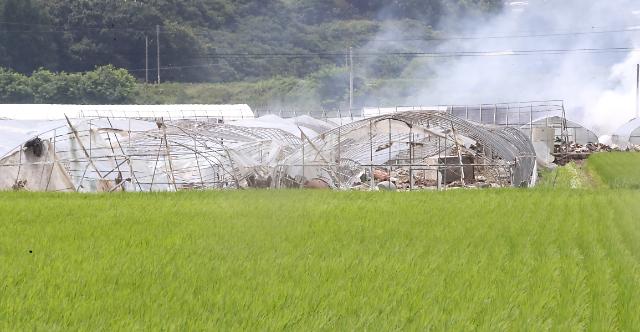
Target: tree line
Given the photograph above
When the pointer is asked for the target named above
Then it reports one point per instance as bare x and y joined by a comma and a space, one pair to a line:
208, 41
103, 85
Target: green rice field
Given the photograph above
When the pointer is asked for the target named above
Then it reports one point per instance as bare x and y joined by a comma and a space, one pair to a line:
299, 260
618, 169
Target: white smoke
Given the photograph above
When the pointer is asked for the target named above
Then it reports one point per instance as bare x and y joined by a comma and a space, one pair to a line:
616, 105
598, 87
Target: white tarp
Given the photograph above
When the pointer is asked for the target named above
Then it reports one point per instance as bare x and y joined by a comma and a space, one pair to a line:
58, 112
13, 133
110, 154
577, 133
629, 133
309, 126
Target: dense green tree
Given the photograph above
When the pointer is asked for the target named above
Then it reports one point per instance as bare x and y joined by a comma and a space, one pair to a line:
14, 87
104, 85
52, 88
24, 36
107, 85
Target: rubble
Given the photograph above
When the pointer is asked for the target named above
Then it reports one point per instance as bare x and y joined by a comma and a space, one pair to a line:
574, 151
19, 185
387, 186
400, 179
401, 175
380, 175
592, 148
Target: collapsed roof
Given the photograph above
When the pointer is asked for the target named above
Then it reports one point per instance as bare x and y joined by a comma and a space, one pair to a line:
412, 140
124, 154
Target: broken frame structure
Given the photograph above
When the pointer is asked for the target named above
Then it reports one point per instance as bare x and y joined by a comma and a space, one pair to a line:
420, 149
408, 150
105, 155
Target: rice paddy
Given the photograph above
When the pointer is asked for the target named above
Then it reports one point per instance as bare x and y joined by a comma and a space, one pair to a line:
300, 260
617, 169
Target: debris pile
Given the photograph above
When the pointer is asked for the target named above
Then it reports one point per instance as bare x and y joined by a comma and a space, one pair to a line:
575, 148
432, 178
574, 151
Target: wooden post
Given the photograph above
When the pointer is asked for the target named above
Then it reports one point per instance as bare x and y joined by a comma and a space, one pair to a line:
77, 136
166, 144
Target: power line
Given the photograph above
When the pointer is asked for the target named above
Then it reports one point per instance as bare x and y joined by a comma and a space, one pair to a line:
420, 54
63, 29
206, 31
459, 54
517, 36
283, 56
342, 55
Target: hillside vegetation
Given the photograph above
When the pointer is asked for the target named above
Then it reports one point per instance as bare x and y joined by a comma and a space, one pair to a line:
207, 39
254, 45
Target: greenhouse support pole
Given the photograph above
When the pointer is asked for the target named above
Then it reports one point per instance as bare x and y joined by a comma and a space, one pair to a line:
53, 164
195, 151
19, 165
155, 167
438, 169
411, 152
508, 111
303, 165
86, 154
531, 122
495, 110
389, 160
372, 179
446, 166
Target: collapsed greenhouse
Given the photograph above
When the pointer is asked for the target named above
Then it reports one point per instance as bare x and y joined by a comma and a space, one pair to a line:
628, 134
544, 122
404, 151
420, 149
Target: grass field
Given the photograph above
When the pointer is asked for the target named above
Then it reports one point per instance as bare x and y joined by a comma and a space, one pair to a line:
617, 170
271, 260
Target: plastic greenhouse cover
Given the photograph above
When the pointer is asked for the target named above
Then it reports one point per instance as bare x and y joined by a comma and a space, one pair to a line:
292, 125
16, 132
58, 112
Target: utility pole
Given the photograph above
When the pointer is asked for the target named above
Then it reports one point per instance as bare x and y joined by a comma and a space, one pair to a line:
146, 59
350, 78
158, 49
638, 91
